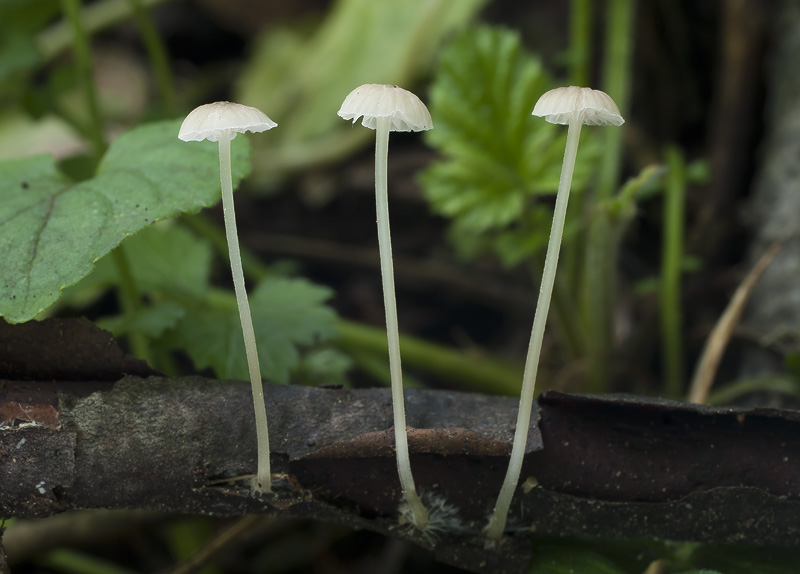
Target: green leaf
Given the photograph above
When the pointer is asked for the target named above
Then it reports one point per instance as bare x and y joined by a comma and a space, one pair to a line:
286, 313
52, 231
324, 366
151, 321
571, 561
498, 158
165, 259
169, 259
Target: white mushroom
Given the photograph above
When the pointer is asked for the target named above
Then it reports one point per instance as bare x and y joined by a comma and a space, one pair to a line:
388, 108
221, 121
574, 107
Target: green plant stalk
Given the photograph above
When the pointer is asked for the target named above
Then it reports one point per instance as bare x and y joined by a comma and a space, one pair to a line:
418, 512
377, 367
616, 83
156, 53
263, 481
599, 281
580, 37
671, 259
497, 522
777, 383
479, 373
129, 301
98, 16
84, 69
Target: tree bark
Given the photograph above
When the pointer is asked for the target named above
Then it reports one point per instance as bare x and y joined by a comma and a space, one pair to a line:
773, 312
610, 466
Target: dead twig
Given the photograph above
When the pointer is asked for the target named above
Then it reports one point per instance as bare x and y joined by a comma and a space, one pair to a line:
718, 339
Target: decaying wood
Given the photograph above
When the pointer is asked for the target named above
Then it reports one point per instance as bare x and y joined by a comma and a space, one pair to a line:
612, 466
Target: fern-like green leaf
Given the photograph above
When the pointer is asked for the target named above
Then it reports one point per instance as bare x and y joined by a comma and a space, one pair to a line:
498, 159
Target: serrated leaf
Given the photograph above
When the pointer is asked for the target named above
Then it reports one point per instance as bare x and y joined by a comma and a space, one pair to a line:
286, 313
519, 243
498, 157
52, 231
152, 321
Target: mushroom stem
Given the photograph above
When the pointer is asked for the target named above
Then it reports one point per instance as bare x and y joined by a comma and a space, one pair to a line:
418, 512
497, 522
263, 480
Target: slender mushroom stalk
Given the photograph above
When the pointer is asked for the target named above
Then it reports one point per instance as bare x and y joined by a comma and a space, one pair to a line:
221, 121
574, 107
388, 108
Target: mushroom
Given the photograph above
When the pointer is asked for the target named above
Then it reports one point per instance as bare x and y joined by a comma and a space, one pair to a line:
221, 121
572, 106
388, 108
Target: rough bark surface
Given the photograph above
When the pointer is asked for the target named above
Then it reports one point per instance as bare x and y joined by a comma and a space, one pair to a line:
610, 466
774, 309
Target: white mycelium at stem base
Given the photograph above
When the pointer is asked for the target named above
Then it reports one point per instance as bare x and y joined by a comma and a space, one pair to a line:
388, 108
574, 107
221, 121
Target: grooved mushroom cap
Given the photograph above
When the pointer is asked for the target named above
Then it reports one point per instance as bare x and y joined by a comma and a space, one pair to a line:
209, 121
561, 105
374, 101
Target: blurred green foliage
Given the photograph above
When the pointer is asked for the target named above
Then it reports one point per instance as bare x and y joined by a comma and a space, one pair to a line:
300, 79
565, 556
19, 20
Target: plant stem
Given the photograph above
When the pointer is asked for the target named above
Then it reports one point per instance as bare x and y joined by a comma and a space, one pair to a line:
478, 372
97, 16
84, 69
580, 37
670, 287
129, 301
497, 522
156, 53
419, 514
617, 73
600, 264
263, 480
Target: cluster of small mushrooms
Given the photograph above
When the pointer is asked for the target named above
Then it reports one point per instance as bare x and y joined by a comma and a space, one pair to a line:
385, 108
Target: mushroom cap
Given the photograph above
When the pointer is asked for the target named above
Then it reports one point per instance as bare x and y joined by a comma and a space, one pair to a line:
373, 101
209, 121
560, 105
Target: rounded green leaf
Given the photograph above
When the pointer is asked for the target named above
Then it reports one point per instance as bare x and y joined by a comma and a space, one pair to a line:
52, 231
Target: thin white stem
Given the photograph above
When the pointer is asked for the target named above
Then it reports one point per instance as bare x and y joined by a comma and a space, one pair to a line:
497, 523
418, 512
263, 482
